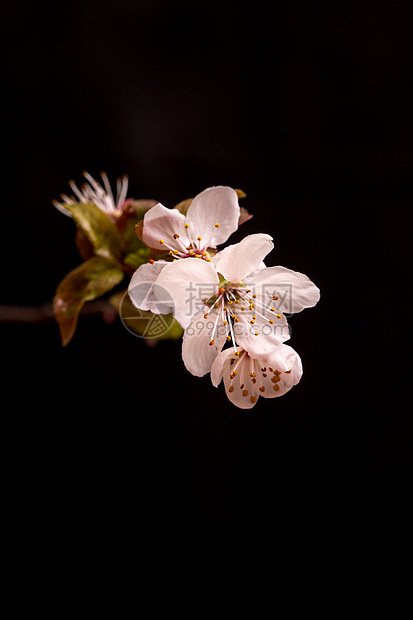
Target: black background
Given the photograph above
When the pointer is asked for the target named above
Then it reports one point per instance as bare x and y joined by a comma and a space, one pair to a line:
308, 107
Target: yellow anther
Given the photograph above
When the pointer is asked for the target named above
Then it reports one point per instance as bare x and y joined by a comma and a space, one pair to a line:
225, 322
217, 225
254, 317
206, 315
151, 261
256, 333
161, 241
176, 236
254, 297
176, 252
272, 309
211, 343
271, 321
228, 338
236, 319
242, 308
278, 316
199, 238
186, 225
170, 252
252, 322
275, 297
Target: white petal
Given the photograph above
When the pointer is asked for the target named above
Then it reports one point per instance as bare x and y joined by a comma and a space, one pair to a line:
237, 261
294, 290
197, 352
287, 362
261, 337
215, 205
270, 375
241, 390
188, 281
161, 224
144, 292
217, 369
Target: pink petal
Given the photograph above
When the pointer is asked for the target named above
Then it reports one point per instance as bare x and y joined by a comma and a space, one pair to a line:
237, 261
215, 205
143, 291
188, 281
294, 290
261, 337
198, 353
161, 224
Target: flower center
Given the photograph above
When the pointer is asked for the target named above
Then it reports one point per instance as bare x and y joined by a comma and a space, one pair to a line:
236, 307
248, 376
189, 246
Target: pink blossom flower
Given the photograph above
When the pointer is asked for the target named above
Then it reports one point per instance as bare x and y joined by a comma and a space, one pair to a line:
211, 218
246, 378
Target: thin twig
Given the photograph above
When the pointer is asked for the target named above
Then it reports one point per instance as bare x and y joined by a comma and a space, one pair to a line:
44, 312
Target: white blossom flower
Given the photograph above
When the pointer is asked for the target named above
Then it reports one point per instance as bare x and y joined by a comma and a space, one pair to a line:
95, 193
247, 377
232, 298
211, 218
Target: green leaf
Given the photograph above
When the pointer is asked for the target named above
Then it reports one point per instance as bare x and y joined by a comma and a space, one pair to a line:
130, 217
137, 258
98, 228
88, 281
83, 244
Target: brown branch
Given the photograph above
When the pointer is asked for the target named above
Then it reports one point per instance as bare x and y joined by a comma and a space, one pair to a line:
44, 312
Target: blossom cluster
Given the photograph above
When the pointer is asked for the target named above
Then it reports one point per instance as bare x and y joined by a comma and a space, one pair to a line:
231, 307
